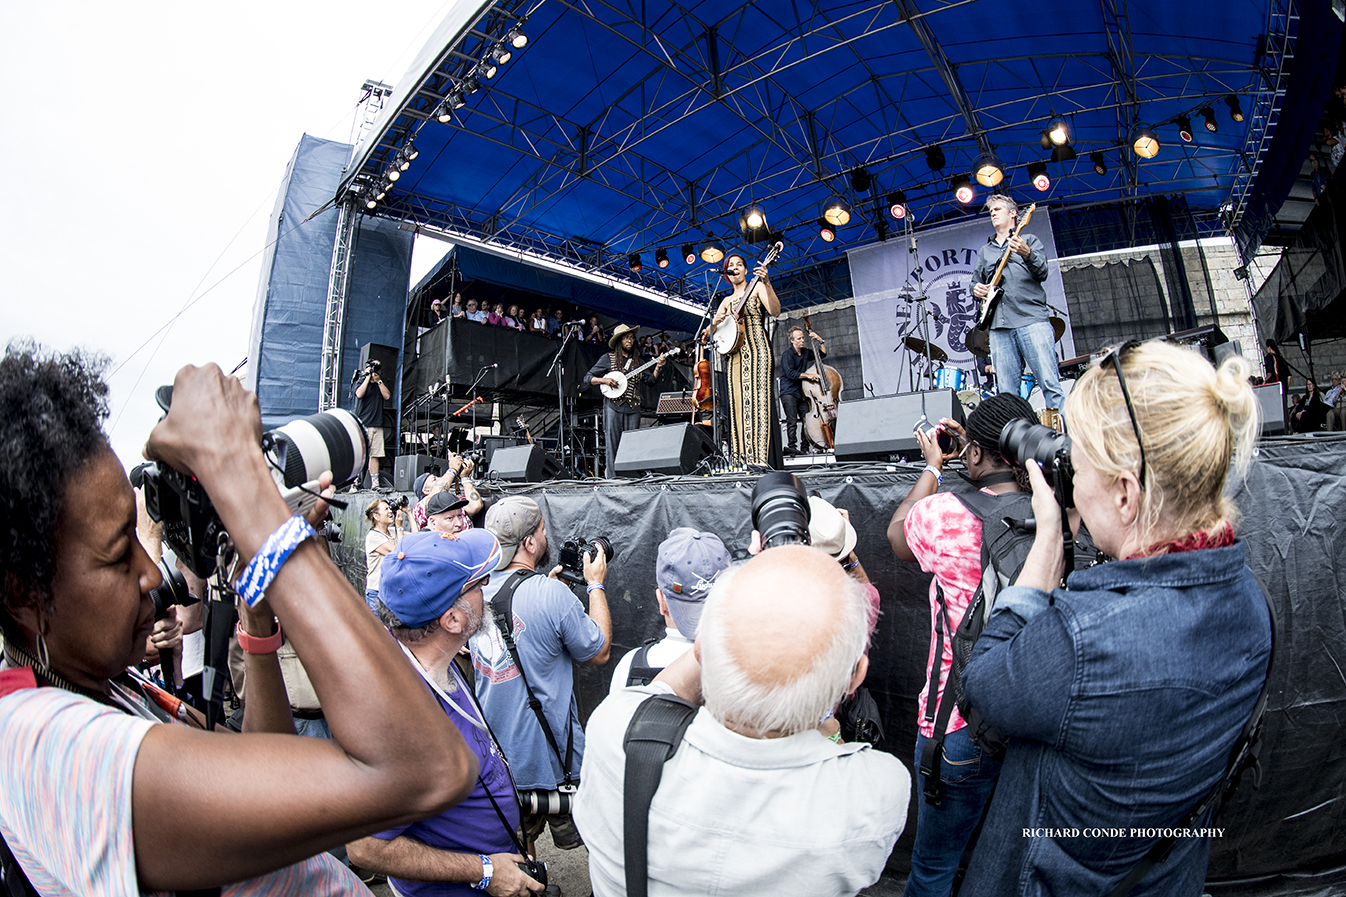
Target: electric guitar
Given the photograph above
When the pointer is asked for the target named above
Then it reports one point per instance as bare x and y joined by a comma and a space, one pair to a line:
615, 392
992, 300
727, 336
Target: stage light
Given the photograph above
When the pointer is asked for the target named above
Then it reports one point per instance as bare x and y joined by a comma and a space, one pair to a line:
371, 203
1063, 153
633, 262
689, 253
468, 86
755, 217
1046, 140
837, 212
881, 230
826, 231
382, 192
712, 252
487, 69
1037, 173
501, 54
1100, 167
1144, 141
1184, 128
1058, 132
517, 39
934, 157
988, 171
442, 114
1208, 114
661, 258
409, 151
860, 180
962, 188
1235, 110
897, 205
392, 173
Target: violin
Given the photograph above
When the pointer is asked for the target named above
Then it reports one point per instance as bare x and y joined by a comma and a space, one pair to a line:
824, 395
702, 395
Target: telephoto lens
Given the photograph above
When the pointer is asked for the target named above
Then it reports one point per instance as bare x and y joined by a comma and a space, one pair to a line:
780, 510
302, 449
546, 803
1020, 441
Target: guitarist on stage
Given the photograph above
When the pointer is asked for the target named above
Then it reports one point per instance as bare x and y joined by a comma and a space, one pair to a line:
622, 413
1021, 332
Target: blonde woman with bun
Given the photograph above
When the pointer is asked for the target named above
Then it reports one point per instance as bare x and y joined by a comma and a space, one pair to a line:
1123, 694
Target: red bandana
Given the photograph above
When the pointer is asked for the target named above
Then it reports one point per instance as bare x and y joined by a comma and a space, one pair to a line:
1221, 537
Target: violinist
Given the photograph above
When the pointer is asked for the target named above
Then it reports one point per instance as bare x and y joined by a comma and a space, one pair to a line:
795, 364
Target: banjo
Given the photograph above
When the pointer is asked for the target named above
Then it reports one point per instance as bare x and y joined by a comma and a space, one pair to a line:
615, 392
727, 336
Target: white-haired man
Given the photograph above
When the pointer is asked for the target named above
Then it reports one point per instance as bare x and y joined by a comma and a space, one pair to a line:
756, 800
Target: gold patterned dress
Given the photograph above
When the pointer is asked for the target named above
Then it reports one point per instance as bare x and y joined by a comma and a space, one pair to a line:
750, 373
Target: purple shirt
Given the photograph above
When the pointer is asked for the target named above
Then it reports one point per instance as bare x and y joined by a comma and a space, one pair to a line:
472, 826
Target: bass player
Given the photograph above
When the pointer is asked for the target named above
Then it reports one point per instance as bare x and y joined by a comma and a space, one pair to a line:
1021, 330
622, 413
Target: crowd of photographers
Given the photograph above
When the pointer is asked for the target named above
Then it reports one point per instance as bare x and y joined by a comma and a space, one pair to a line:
734, 755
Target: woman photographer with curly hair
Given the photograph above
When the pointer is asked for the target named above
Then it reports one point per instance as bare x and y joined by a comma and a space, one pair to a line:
1124, 694
102, 791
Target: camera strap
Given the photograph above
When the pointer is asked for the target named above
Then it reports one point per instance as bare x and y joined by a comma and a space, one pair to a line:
502, 610
652, 738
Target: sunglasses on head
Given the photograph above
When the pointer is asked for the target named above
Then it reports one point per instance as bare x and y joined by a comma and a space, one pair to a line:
1114, 357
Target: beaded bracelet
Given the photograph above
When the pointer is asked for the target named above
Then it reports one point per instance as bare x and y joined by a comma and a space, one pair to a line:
264, 566
594, 585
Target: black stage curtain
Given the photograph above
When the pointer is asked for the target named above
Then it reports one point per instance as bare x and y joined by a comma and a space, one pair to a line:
460, 349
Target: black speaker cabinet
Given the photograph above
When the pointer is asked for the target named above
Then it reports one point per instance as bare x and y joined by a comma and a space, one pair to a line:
1272, 405
872, 429
675, 449
491, 443
524, 464
407, 467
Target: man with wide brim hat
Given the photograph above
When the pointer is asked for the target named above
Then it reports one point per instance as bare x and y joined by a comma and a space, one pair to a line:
623, 412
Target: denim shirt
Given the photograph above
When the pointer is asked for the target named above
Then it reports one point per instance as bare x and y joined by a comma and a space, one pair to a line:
1122, 697
1025, 299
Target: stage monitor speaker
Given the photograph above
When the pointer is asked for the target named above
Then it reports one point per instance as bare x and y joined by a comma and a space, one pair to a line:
882, 428
491, 444
1203, 338
523, 464
1272, 406
406, 468
675, 449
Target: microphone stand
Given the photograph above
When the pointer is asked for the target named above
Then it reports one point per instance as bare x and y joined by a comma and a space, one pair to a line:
562, 447
702, 331
472, 391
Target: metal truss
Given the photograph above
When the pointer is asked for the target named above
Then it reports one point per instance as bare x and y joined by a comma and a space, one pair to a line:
334, 317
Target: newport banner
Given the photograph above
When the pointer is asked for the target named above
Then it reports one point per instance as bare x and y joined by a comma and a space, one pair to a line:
890, 278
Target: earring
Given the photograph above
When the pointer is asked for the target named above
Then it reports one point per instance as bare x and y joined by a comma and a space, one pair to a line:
43, 659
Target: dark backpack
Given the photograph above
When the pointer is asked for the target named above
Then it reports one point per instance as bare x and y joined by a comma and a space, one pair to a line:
641, 673
1007, 534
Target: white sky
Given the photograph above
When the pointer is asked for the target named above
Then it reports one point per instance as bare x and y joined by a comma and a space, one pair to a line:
142, 149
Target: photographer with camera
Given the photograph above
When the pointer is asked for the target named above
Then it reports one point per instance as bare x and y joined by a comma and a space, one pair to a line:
938, 531
1123, 693
384, 530
103, 791
538, 630
457, 481
432, 602
370, 395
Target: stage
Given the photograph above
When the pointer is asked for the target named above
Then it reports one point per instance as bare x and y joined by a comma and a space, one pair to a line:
1292, 506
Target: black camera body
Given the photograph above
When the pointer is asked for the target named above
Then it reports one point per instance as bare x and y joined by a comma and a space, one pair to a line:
1020, 441
173, 590
191, 527
374, 366
535, 869
780, 510
398, 503
572, 557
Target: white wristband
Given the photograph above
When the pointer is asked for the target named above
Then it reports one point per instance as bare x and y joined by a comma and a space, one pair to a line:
486, 870
939, 477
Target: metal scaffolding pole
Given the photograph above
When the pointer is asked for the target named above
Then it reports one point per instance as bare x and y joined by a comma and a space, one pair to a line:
334, 320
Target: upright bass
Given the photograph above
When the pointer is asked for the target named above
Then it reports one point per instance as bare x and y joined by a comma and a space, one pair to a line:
823, 392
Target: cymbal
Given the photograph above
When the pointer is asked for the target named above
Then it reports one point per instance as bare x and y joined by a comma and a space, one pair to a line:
918, 346
1058, 327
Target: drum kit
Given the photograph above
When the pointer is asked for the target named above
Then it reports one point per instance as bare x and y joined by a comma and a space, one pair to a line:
973, 388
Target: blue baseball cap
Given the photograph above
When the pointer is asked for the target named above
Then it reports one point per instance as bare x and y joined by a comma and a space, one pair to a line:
425, 574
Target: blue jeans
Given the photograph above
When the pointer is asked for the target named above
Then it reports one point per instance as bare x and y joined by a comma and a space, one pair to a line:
1034, 344
372, 599
968, 777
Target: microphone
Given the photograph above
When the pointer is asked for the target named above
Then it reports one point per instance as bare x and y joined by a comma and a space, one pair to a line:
491, 366
573, 323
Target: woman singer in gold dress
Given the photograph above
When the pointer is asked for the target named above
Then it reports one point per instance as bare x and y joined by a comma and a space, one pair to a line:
750, 367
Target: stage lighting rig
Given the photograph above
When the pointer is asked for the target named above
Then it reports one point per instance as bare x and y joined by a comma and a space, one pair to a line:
1184, 128
934, 157
962, 188
517, 39
1144, 141
501, 54
392, 173
988, 170
897, 205
661, 258
1208, 114
689, 253
1037, 173
712, 252
1235, 110
837, 212
633, 262
1058, 132
826, 231
860, 180
1064, 153
1100, 167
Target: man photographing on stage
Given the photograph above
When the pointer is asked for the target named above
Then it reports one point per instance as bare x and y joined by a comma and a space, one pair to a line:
1021, 332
